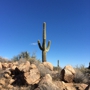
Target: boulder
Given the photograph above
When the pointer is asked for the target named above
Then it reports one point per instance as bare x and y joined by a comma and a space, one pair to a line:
10, 65
60, 84
48, 65
81, 86
13, 67
43, 70
70, 86
6, 75
2, 81
7, 71
46, 78
68, 74
9, 86
11, 81
24, 66
33, 66
5, 65
0, 65
32, 77
46, 84
0, 87
88, 87
15, 63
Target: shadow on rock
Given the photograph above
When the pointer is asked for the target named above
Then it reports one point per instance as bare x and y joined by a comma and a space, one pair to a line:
18, 76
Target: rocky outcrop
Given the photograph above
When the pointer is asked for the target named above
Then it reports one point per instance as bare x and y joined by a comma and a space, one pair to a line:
68, 74
37, 77
20, 74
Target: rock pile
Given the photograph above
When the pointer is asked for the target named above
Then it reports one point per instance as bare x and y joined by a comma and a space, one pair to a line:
15, 74
20, 74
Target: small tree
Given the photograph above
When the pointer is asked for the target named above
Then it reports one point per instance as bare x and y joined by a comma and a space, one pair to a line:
15, 58
26, 55
22, 55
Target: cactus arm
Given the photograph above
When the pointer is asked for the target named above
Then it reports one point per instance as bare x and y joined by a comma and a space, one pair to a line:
39, 45
48, 46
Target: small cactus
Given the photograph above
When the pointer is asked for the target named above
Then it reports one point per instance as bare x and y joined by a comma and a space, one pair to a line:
58, 63
43, 47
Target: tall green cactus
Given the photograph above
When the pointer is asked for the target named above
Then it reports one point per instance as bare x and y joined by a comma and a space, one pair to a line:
43, 47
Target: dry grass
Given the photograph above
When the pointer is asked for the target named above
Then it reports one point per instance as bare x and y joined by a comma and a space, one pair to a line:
82, 74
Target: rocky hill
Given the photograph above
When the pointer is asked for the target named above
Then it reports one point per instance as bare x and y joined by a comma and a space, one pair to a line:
33, 75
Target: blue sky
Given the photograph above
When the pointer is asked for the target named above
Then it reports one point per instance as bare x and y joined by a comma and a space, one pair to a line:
68, 28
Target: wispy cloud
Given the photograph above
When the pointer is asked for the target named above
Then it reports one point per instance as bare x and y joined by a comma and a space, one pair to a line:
33, 44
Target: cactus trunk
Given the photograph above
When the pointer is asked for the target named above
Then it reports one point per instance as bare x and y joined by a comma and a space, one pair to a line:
43, 47
43, 56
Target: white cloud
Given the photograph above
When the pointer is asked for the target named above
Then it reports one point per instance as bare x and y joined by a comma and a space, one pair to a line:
33, 44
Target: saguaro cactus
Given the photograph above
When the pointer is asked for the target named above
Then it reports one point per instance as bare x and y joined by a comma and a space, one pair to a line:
43, 47
58, 63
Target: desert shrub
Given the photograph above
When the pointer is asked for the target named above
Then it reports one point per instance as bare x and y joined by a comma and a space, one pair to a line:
15, 58
56, 73
43, 70
21, 61
87, 71
22, 55
81, 75
56, 76
81, 68
3, 60
57, 68
34, 61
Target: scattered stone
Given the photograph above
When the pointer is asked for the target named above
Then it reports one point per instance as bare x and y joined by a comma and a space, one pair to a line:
6, 76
